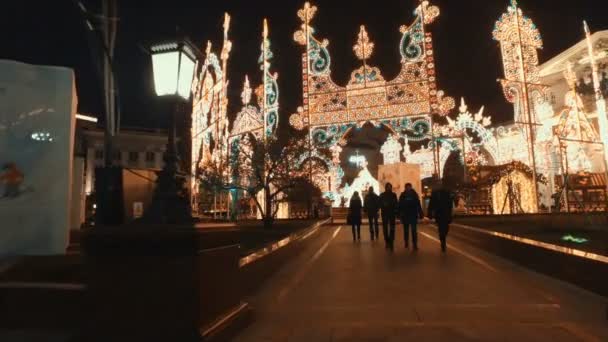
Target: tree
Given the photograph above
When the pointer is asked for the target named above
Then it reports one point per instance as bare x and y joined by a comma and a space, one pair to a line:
265, 169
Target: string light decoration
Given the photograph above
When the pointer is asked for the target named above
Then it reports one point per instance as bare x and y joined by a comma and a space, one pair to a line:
477, 133
262, 120
574, 123
249, 119
364, 47
597, 87
391, 150
368, 96
403, 105
519, 40
209, 128
270, 94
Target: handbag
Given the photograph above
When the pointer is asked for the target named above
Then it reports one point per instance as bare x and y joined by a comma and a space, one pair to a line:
349, 218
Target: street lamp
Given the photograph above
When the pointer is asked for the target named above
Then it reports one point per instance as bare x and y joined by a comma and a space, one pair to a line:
173, 66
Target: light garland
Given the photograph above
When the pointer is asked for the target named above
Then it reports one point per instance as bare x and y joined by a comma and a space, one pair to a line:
391, 151
261, 120
209, 130
368, 96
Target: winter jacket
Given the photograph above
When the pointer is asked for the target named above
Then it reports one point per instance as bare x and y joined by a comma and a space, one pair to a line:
409, 206
372, 205
354, 210
389, 204
440, 206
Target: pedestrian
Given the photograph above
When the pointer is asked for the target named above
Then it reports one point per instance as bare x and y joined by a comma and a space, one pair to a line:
409, 212
388, 205
354, 214
371, 208
440, 208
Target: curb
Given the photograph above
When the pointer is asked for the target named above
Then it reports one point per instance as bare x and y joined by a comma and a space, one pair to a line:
540, 244
273, 247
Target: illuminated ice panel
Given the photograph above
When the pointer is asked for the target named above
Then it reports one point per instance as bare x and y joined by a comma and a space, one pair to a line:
37, 115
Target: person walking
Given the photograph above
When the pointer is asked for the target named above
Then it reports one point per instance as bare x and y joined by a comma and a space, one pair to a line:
409, 212
354, 214
371, 208
388, 205
440, 208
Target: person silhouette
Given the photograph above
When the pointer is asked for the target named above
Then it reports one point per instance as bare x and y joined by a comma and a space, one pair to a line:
388, 206
371, 205
354, 215
409, 212
440, 208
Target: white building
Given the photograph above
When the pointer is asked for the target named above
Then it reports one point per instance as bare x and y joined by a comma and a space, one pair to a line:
133, 148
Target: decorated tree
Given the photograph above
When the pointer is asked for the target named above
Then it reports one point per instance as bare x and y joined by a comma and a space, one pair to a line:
264, 169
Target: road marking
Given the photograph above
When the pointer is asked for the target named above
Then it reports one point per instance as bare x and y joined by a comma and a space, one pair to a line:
300, 275
463, 253
545, 245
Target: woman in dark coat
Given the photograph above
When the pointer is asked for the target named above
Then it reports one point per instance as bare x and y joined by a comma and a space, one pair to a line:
354, 215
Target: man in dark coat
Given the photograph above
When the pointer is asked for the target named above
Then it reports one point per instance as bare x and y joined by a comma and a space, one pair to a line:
389, 205
371, 208
354, 215
409, 212
440, 208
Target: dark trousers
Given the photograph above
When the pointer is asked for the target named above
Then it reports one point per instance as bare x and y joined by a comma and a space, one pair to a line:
373, 225
413, 225
356, 231
388, 229
443, 228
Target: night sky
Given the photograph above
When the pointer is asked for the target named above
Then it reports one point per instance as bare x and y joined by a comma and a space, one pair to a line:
468, 60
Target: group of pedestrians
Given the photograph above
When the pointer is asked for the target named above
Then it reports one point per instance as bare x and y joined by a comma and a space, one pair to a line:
407, 207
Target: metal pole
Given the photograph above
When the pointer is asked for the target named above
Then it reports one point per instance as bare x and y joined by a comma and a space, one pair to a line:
108, 39
566, 179
464, 161
564, 173
527, 110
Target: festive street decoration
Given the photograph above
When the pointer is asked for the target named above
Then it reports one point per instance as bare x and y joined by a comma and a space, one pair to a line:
209, 128
368, 96
260, 121
598, 91
519, 40
403, 106
391, 151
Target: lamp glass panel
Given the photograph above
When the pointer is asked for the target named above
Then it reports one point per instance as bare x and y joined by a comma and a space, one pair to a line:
165, 66
186, 74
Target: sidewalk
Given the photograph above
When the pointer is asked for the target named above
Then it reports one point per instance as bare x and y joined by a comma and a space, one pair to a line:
341, 291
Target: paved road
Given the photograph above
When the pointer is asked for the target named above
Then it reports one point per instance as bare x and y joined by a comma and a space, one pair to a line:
340, 291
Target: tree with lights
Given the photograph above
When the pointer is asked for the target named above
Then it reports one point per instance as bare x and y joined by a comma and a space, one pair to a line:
266, 170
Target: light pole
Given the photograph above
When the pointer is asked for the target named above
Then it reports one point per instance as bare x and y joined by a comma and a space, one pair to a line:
173, 64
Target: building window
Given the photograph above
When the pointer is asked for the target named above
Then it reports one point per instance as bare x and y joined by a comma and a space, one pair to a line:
150, 157
117, 156
133, 157
99, 154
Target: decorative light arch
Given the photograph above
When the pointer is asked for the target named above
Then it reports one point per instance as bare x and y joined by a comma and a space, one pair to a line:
262, 120
404, 105
209, 130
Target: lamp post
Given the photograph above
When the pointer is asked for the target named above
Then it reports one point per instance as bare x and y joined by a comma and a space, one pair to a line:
174, 64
